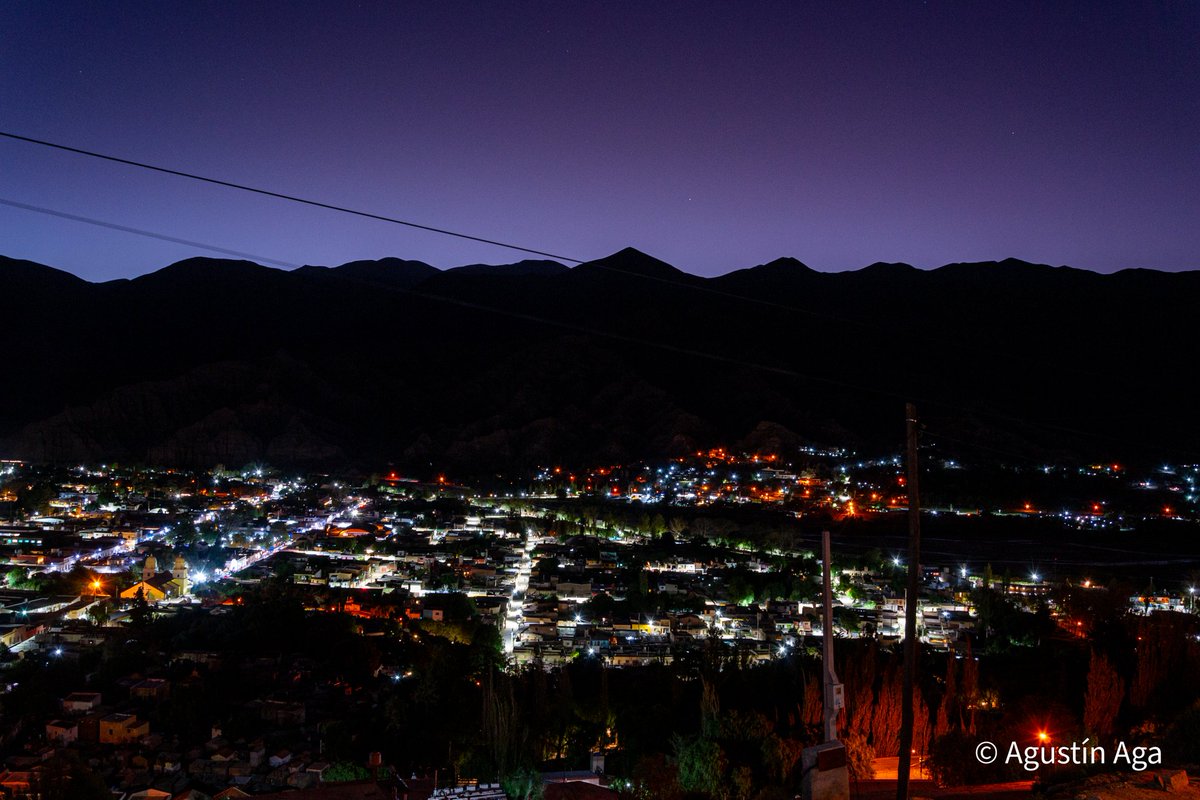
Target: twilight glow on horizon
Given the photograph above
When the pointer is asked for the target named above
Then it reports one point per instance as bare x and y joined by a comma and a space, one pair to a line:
714, 136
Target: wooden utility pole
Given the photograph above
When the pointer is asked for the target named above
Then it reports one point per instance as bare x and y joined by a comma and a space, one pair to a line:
825, 772
834, 699
910, 608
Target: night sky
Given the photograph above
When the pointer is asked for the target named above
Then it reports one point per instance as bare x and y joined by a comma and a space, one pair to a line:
713, 135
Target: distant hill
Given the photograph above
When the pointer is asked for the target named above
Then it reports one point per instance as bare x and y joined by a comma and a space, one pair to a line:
485, 367
527, 267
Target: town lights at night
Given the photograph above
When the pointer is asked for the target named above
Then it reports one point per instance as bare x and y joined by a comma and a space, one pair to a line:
413, 476
588, 577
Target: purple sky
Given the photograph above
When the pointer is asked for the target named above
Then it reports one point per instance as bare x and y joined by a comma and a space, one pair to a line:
714, 136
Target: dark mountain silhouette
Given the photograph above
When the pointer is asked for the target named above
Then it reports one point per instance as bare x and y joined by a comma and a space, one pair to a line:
29, 276
394, 272
482, 368
527, 267
631, 263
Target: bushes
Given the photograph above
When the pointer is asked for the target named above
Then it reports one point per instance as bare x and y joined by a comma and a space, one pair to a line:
1182, 744
860, 757
953, 762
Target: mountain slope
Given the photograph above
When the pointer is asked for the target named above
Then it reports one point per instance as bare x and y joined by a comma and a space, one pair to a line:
483, 368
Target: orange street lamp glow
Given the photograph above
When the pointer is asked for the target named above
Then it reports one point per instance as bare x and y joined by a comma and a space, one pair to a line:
1043, 737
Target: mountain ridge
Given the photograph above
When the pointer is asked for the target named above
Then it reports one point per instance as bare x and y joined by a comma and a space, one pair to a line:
626, 255
395, 360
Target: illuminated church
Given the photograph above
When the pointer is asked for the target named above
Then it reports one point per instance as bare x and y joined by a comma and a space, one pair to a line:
156, 585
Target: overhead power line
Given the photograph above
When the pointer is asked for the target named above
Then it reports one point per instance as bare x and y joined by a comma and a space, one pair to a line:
149, 234
281, 196
571, 326
691, 285
694, 286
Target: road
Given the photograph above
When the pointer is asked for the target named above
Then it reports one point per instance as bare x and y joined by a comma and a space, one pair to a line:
516, 618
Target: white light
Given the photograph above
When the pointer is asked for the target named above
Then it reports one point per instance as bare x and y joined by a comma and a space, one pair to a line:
1035, 577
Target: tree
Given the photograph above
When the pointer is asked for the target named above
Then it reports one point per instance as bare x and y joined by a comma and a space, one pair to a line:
18, 578
139, 612
701, 764
710, 709
344, 771
185, 534
780, 756
34, 498
741, 783
740, 590
487, 648
1163, 675
503, 730
1105, 691
100, 613
1182, 744
860, 757
600, 606
523, 784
